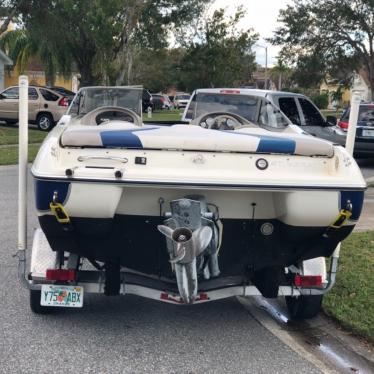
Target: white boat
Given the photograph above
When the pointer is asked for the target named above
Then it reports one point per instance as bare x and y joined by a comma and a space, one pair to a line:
188, 213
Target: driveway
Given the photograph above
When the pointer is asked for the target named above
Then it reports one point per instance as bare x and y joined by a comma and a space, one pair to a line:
133, 335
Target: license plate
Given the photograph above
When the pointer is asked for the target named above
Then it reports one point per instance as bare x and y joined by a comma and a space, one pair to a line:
62, 296
369, 133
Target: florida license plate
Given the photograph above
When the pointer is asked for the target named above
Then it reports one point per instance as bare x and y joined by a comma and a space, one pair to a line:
62, 296
368, 133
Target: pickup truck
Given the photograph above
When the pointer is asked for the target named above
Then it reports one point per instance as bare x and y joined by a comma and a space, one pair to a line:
300, 110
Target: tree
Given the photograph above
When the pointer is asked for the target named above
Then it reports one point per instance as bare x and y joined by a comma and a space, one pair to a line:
10, 11
325, 36
337, 97
281, 73
162, 73
22, 48
100, 37
221, 54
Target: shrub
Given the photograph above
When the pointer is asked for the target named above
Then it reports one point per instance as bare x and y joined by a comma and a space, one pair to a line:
321, 100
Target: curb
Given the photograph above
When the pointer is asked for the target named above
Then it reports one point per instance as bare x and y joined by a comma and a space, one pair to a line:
370, 181
3, 146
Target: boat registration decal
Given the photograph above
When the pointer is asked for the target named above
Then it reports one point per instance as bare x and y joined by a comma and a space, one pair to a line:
61, 296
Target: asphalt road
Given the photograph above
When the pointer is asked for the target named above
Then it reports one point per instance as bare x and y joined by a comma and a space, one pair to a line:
367, 166
126, 334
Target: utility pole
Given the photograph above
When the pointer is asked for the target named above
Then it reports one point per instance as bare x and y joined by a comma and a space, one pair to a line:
266, 68
266, 64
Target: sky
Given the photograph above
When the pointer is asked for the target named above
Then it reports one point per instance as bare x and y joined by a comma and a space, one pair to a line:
262, 17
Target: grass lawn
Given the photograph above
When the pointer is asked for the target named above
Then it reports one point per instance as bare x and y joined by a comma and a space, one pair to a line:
9, 135
351, 300
9, 155
164, 115
335, 113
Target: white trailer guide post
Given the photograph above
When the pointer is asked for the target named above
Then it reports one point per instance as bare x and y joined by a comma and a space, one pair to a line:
42, 257
22, 171
23, 155
353, 118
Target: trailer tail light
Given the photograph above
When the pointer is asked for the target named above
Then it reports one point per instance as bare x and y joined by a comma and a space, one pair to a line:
64, 275
63, 102
308, 280
343, 125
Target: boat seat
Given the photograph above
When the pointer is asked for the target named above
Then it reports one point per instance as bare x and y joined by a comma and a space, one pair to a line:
117, 134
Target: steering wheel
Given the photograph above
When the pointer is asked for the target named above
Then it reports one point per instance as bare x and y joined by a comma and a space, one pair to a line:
105, 114
221, 121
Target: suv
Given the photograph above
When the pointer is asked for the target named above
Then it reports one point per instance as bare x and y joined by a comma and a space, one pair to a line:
298, 108
161, 101
181, 100
46, 106
365, 120
63, 91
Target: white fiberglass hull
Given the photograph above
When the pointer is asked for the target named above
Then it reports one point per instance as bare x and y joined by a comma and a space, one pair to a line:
271, 210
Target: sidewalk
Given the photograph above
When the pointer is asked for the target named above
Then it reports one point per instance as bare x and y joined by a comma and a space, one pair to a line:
366, 221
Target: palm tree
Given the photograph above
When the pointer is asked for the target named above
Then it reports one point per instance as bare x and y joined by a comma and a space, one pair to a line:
281, 72
21, 47
18, 45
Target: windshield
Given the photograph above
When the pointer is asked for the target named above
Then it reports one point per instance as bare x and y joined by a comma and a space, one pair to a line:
90, 98
253, 108
63, 91
183, 97
365, 114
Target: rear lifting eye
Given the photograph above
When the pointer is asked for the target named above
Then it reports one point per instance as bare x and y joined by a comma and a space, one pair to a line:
69, 173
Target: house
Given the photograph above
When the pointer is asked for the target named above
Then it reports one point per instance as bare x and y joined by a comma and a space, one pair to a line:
359, 82
4, 60
258, 79
37, 77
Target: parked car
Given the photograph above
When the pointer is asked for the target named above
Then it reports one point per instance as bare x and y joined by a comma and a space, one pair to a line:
63, 91
181, 100
147, 100
310, 119
169, 102
46, 107
161, 102
298, 108
365, 122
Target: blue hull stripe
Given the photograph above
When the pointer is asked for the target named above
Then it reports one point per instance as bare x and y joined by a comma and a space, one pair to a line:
44, 191
123, 138
276, 145
357, 200
271, 144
